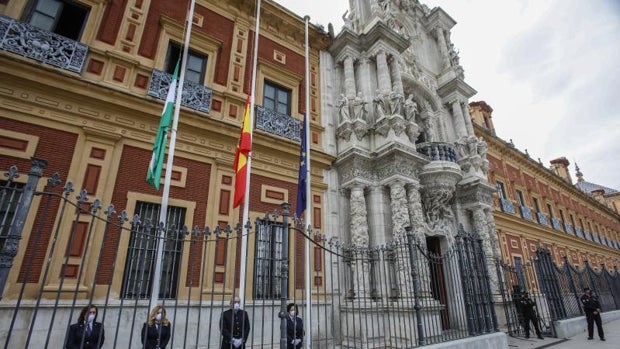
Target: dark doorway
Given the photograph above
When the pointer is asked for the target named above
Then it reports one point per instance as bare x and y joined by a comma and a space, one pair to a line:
438, 284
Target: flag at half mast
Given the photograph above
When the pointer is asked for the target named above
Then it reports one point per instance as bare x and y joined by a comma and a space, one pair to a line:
241, 157
153, 176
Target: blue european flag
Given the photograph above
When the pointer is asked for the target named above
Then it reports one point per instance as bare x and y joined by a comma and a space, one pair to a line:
303, 169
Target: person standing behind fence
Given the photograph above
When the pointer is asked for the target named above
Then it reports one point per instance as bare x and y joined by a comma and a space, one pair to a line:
592, 308
156, 331
235, 326
86, 333
527, 305
294, 328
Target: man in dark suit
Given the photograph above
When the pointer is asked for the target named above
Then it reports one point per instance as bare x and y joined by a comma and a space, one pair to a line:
86, 333
235, 326
592, 308
294, 328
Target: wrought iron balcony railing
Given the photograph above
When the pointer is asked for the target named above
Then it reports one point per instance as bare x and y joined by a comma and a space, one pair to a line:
542, 218
555, 223
44, 46
568, 228
507, 206
526, 213
277, 123
578, 232
195, 96
436, 151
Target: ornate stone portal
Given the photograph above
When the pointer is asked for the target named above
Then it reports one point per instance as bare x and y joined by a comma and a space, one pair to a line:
406, 153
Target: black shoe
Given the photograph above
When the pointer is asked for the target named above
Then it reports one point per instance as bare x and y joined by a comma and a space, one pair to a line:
590, 338
540, 337
603, 339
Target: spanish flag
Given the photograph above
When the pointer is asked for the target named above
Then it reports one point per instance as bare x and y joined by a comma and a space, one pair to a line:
241, 156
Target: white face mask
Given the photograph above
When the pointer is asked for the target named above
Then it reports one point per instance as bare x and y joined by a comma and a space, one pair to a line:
292, 312
158, 317
91, 317
237, 306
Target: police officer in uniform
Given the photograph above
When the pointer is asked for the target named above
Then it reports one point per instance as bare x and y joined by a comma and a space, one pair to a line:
235, 326
87, 333
526, 306
592, 308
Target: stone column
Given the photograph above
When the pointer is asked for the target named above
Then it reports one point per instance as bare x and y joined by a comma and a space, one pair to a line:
416, 214
443, 47
400, 210
383, 73
349, 77
397, 81
468, 123
360, 267
459, 119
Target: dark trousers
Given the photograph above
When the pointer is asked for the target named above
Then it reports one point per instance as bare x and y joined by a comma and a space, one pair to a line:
526, 324
591, 319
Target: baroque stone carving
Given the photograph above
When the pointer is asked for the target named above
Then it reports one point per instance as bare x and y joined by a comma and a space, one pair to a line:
359, 225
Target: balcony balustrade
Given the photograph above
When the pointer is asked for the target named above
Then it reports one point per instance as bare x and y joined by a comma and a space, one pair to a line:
277, 123
195, 96
41, 45
436, 151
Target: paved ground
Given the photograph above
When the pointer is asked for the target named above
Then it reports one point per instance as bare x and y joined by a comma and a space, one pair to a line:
579, 341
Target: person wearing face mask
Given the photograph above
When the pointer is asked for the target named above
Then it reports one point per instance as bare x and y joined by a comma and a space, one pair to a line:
156, 331
87, 333
234, 326
294, 328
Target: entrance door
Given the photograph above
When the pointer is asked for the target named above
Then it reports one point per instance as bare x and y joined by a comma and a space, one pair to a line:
438, 284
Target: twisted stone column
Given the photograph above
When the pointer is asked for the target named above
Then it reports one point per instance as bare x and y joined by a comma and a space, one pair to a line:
397, 81
360, 267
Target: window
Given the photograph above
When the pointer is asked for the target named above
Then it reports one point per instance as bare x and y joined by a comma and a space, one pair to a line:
562, 216
140, 262
277, 98
550, 209
9, 198
520, 197
196, 63
62, 17
500, 190
268, 264
536, 204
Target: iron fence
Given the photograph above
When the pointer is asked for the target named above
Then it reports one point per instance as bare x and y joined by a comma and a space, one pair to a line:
410, 292
555, 288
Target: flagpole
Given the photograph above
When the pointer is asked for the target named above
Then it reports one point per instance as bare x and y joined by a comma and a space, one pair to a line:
169, 163
246, 196
308, 314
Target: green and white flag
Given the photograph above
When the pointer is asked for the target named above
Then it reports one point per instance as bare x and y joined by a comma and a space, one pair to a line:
153, 176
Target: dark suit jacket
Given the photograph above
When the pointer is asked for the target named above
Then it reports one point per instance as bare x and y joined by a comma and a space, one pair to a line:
234, 324
152, 338
94, 340
294, 330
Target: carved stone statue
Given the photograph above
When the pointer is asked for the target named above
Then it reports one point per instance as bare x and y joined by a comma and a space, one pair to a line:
411, 108
359, 107
343, 108
380, 105
396, 101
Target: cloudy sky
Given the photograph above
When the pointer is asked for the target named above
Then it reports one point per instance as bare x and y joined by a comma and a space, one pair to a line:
550, 69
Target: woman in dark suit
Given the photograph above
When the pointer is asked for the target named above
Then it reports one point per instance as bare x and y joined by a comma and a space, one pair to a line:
156, 331
294, 328
87, 333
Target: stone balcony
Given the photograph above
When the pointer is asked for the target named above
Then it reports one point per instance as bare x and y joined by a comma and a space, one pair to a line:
28, 41
436, 151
